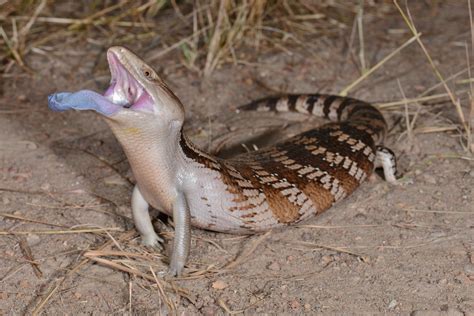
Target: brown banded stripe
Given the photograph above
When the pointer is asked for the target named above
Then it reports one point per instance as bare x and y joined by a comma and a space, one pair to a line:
307, 173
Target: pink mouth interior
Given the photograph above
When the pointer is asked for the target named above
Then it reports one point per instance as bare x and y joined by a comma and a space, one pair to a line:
124, 90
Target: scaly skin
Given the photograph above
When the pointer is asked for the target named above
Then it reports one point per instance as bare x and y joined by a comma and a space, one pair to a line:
254, 192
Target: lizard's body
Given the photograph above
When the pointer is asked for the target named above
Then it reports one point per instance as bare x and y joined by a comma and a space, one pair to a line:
253, 192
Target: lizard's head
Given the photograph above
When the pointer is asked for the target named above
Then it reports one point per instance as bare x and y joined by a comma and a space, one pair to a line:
136, 93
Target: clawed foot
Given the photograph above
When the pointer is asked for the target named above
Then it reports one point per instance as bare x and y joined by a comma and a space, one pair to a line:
153, 241
175, 268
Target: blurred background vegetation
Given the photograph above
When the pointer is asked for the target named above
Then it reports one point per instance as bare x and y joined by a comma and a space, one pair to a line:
203, 33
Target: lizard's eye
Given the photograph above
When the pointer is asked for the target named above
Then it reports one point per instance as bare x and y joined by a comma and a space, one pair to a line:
148, 74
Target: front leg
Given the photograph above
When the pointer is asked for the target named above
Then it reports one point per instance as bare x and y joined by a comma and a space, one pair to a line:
142, 220
182, 234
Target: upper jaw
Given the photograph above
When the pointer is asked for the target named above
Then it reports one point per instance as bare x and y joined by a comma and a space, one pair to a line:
125, 88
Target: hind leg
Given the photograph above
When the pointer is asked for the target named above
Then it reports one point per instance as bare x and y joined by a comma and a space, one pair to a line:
385, 159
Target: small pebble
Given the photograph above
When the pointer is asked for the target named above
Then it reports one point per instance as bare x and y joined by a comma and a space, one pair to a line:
295, 304
33, 239
219, 285
442, 282
45, 186
325, 260
392, 304
274, 266
429, 179
248, 81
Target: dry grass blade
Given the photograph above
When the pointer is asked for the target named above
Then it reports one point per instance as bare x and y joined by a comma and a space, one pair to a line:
409, 124
435, 129
13, 51
102, 253
246, 253
62, 232
437, 212
211, 59
59, 281
224, 306
388, 105
337, 249
138, 273
338, 227
409, 22
21, 218
379, 64
26, 250
165, 297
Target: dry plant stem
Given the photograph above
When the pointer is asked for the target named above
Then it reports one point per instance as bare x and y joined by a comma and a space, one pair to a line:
12, 50
21, 218
120, 267
215, 40
338, 227
337, 249
360, 16
470, 140
176, 45
246, 253
61, 232
98, 253
408, 101
407, 116
435, 129
79, 22
28, 254
58, 282
409, 22
26, 29
226, 308
437, 85
378, 65
165, 297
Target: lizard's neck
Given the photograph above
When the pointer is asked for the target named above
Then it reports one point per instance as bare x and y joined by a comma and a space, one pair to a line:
154, 155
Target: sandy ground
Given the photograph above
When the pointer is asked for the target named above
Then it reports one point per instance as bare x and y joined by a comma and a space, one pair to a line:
399, 250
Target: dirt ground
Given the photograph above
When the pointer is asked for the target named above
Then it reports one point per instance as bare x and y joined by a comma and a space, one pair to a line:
405, 249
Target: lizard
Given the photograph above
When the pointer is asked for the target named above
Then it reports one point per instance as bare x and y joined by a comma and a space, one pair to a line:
252, 192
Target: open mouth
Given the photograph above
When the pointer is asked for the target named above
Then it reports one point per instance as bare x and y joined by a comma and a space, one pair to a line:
124, 90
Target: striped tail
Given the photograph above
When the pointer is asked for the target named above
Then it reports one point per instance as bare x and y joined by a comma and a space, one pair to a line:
332, 107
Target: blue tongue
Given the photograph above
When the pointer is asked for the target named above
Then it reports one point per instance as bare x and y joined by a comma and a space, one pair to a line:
82, 100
